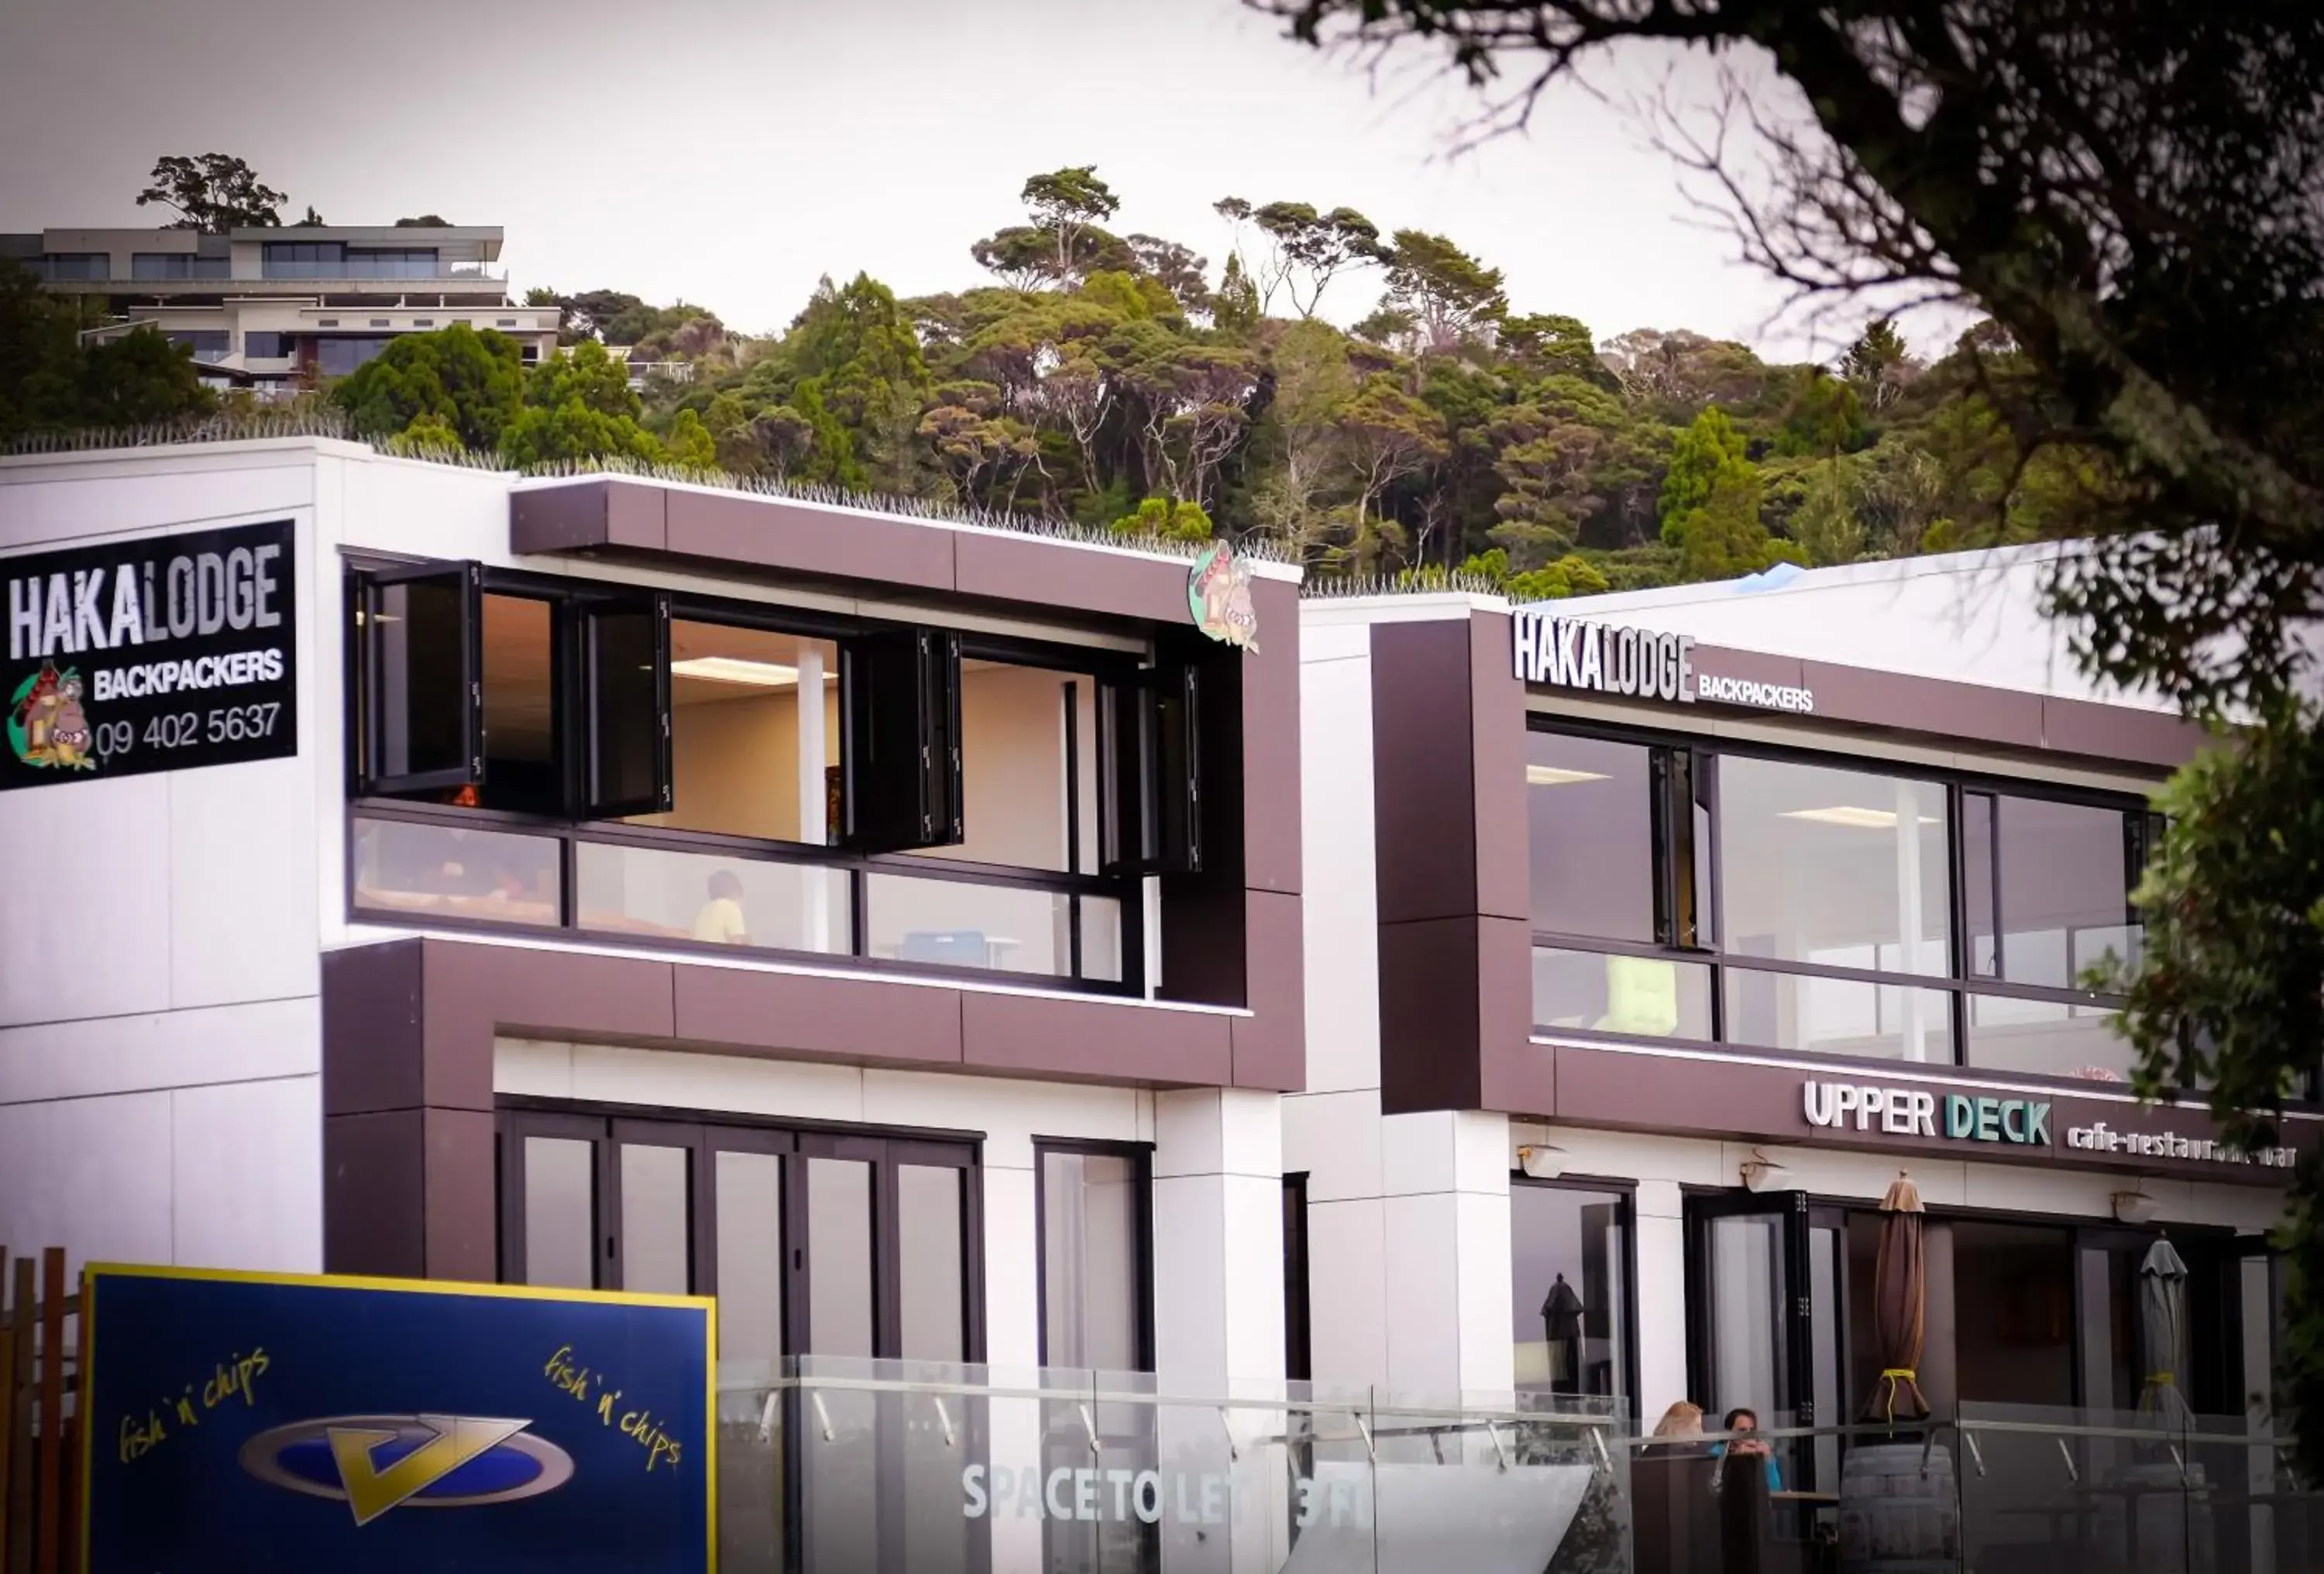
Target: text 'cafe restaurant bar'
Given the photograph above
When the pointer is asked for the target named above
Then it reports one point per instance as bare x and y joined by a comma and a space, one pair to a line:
1680, 923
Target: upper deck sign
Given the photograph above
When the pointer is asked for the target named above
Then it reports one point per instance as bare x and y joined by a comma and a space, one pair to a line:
161, 654
1634, 664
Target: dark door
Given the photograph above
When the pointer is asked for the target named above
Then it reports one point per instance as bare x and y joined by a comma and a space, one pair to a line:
1750, 1308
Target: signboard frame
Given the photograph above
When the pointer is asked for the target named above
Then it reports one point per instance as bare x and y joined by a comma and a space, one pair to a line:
93, 1273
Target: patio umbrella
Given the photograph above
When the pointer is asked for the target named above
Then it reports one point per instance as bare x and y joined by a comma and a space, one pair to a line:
1899, 1307
2162, 1331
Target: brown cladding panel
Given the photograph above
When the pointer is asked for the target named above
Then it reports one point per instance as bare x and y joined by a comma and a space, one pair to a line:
1424, 801
372, 1027
1066, 576
1096, 1040
1270, 1044
810, 1017
769, 532
2007, 717
374, 1180
588, 516
1430, 1016
462, 1195
1515, 1076
1270, 741
2124, 732
1497, 725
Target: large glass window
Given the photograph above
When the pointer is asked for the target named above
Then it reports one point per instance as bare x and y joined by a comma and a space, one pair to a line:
207, 343
1094, 1259
64, 267
875, 793
1589, 809
338, 355
1839, 867
1860, 914
1569, 1274
160, 265
267, 346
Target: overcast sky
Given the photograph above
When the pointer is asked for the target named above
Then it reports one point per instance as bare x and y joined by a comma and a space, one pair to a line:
728, 152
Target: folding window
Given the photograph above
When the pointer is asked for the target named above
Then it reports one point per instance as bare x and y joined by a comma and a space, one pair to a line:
1150, 757
899, 713
1681, 781
419, 648
626, 691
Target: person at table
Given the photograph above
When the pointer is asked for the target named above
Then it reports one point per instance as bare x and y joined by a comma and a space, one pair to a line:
1744, 1419
721, 920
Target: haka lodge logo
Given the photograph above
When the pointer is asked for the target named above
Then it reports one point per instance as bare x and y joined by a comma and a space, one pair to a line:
373, 1463
47, 727
1218, 593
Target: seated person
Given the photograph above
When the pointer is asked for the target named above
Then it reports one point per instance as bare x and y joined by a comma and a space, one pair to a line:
721, 920
1744, 1419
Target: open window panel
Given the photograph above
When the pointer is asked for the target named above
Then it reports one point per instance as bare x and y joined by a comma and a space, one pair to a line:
626, 684
1027, 782
900, 708
755, 732
1753, 1312
419, 657
1149, 750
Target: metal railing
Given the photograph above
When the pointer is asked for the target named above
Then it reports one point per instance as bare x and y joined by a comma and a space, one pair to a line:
881, 1465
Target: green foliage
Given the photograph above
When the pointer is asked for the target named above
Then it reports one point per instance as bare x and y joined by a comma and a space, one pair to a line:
1568, 575
574, 430
473, 381
1709, 447
689, 443
213, 193
1723, 538
586, 375
140, 377
39, 355
1452, 299
428, 437
1172, 521
425, 221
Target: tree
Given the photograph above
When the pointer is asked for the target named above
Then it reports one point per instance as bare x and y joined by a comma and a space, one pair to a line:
689, 443
140, 378
39, 355
586, 375
1066, 202
1826, 523
1176, 268
1548, 345
1878, 365
1171, 521
1315, 245
311, 219
1824, 416
425, 221
1709, 446
1723, 538
473, 381
1451, 296
1194, 405
542, 434
1389, 434
1313, 385
213, 193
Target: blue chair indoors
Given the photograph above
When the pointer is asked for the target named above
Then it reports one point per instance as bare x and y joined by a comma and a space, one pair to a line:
953, 947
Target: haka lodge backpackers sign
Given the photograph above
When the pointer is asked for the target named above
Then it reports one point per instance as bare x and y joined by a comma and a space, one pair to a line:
159, 654
1634, 664
248, 1422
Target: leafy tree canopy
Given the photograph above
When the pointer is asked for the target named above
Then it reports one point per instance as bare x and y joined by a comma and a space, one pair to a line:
214, 193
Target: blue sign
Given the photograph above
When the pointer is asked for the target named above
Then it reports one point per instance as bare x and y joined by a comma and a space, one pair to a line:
252, 1422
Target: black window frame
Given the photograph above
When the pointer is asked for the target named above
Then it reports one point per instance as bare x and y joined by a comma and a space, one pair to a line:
2142, 827
705, 1134
1298, 1284
1140, 1155
1625, 1192
407, 799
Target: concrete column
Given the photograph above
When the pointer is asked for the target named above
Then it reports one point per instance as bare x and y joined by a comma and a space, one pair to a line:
1661, 1299
1218, 1319
1444, 1180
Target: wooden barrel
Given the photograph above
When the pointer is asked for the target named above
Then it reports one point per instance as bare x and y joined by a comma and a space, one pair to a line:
1899, 1511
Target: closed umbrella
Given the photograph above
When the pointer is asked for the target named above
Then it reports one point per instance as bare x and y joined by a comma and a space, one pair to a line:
2162, 1333
1899, 1307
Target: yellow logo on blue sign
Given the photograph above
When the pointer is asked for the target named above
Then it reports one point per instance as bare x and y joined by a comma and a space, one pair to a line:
374, 1463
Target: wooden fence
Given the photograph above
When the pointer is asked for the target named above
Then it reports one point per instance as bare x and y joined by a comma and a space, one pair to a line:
40, 1455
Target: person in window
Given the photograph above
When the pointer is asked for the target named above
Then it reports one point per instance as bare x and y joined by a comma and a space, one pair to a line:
1681, 1427
1744, 1419
721, 921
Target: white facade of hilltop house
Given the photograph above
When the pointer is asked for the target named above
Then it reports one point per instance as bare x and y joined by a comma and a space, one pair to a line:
275, 308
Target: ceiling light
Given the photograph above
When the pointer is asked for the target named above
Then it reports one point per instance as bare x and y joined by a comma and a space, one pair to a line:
734, 669
1558, 776
1855, 818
